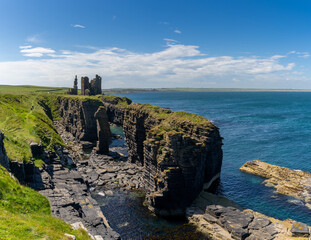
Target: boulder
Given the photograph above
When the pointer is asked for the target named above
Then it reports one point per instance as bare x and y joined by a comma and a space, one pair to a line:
299, 229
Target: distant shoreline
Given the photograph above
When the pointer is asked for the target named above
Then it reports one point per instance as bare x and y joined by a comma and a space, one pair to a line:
140, 90
17, 89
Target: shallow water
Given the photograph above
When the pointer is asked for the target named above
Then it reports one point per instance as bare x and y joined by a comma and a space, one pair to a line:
131, 219
127, 214
274, 127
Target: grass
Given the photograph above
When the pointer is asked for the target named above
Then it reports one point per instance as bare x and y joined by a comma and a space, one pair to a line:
170, 118
25, 89
24, 119
25, 214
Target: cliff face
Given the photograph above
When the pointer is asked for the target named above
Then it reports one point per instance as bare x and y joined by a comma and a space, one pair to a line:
180, 152
4, 160
78, 117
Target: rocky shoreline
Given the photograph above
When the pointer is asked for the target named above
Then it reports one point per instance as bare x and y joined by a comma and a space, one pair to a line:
222, 219
286, 181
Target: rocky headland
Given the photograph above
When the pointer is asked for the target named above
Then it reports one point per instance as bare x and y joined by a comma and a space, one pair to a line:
295, 183
171, 156
179, 153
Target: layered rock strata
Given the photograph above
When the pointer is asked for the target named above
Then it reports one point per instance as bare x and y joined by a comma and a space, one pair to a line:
222, 219
77, 116
103, 131
71, 201
286, 181
180, 152
103, 172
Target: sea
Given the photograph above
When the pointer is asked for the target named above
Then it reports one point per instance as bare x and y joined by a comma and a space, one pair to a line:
274, 127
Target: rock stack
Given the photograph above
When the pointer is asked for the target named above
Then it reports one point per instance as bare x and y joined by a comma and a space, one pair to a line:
103, 131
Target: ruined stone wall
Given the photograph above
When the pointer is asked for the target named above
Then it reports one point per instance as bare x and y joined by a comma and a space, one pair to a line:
96, 85
84, 85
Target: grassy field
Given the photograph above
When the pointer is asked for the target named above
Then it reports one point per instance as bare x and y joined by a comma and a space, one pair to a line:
24, 89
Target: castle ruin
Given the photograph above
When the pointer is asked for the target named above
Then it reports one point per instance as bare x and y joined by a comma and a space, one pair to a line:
87, 88
91, 88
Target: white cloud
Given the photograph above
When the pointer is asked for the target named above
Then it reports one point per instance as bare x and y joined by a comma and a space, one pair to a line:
25, 47
175, 65
300, 54
78, 26
303, 54
28, 51
170, 40
177, 31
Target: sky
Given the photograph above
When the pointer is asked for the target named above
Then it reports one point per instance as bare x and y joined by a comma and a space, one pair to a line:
157, 43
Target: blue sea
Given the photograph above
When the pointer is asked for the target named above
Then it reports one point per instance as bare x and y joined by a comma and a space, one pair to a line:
274, 127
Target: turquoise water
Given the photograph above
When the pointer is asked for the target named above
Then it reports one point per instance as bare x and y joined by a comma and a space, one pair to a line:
274, 127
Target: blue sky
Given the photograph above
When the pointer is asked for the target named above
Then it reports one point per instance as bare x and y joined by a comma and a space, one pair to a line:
139, 43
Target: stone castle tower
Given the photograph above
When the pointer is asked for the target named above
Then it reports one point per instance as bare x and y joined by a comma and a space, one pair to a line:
91, 88
74, 90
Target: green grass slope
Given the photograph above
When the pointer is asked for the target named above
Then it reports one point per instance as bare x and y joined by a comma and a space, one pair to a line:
25, 119
26, 115
25, 214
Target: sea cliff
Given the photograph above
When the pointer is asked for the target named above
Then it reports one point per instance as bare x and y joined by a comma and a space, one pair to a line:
179, 152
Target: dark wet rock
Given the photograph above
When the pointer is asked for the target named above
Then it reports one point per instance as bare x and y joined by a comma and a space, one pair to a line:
270, 229
235, 216
259, 223
259, 235
36, 150
17, 169
87, 145
210, 218
92, 176
237, 231
299, 229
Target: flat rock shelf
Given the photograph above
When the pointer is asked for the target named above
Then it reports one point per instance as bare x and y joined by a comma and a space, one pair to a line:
286, 181
222, 219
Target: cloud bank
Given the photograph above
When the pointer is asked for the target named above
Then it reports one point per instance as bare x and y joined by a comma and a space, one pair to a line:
177, 65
